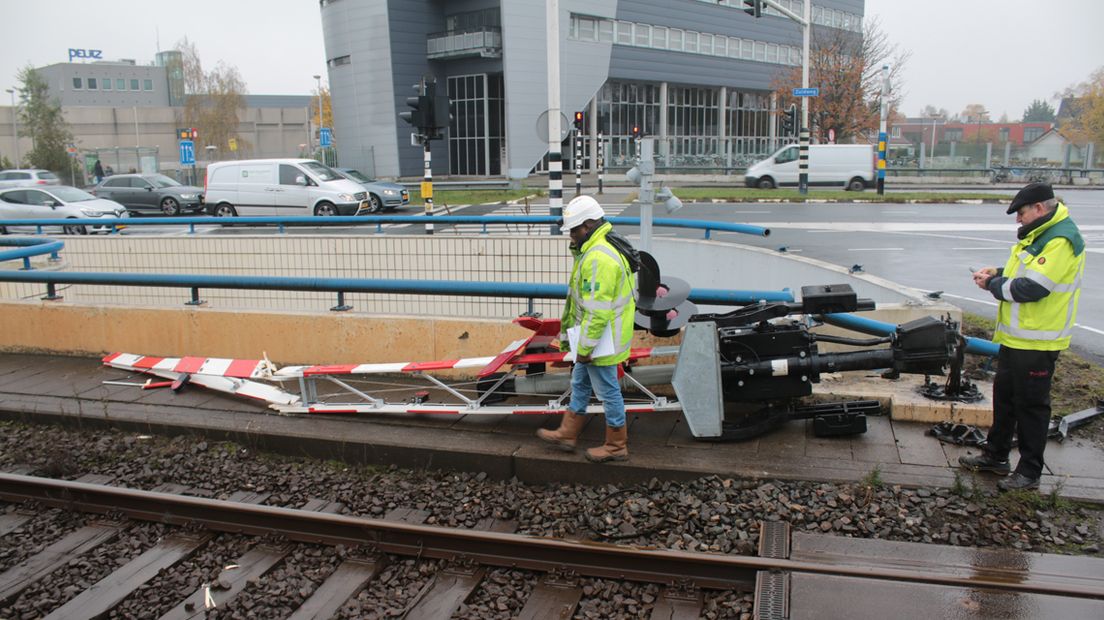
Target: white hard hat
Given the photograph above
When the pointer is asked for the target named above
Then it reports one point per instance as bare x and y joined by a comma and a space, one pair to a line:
579, 210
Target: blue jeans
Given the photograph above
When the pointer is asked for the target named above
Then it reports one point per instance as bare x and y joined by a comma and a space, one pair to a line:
603, 380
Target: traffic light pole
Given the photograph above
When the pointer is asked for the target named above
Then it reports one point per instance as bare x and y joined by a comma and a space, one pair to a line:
578, 162
427, 182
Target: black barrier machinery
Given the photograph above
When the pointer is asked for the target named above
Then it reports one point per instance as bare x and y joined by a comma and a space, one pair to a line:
740, 374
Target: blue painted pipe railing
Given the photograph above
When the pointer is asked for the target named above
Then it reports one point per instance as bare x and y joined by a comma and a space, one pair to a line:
358, 285
977, 346
30, 246
379, 220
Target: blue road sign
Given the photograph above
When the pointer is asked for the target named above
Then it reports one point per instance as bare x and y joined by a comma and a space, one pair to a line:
187, 153
806, 92
325, 138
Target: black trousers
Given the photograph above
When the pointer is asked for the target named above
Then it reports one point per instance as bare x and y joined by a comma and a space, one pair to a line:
1021, 406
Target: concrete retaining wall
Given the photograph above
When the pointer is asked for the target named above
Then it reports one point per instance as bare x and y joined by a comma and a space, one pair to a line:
299, 328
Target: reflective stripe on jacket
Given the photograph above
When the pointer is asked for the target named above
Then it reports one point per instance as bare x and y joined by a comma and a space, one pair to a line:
1053, 257
600, 293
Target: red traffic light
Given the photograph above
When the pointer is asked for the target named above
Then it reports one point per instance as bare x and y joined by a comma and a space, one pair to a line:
636, 131
578, 120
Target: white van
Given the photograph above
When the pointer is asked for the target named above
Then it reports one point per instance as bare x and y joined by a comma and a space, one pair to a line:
280, 187
848, 165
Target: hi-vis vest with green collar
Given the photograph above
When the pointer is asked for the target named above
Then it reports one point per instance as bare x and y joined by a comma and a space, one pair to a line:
600, 293
1054, 257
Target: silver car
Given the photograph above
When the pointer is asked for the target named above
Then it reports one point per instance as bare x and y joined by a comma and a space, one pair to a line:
381, 194
27, 178
72, 207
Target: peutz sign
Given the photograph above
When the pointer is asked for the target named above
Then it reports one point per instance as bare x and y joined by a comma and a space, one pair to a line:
82, 53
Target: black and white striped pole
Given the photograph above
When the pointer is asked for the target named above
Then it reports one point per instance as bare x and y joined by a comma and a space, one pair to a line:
578, 153
555, 156
601, 161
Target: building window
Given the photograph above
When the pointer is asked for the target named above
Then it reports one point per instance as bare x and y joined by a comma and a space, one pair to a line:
624, 33
895, 132
675, 42
92, 84
659, 37
338, 61
605, 31
586, 28
583, 28
1032, 134
107, 83
691, 44
78, 83
120, 84
147, 84
476, 138
1004, 134
953, 135
134, 84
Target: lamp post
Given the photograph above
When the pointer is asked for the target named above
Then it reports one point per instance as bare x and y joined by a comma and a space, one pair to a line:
15, 124
318, 80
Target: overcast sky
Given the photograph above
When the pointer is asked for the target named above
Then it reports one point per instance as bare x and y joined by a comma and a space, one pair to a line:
1000, 53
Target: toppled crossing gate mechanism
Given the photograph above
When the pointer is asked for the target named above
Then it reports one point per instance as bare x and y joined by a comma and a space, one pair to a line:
740, 373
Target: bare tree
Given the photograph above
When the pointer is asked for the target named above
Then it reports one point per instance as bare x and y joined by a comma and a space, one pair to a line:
975, 113
1086, 124
212, 99
847, 68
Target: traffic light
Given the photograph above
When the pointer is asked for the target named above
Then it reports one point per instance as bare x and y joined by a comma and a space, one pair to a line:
753, 7
789, 120
416, 115
636, 133
579, 121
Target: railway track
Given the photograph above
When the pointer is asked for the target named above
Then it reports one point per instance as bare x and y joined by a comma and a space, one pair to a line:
464, 564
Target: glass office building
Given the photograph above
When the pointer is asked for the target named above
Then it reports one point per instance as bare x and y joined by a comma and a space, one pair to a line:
694, 74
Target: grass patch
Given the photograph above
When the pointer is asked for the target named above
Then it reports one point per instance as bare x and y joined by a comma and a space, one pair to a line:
873, 479
743, 194
470, 197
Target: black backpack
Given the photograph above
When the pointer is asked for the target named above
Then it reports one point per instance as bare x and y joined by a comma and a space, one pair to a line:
626, 249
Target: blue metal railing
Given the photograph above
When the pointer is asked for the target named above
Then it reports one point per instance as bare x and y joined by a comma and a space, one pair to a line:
379, 221
342, 286
31, 247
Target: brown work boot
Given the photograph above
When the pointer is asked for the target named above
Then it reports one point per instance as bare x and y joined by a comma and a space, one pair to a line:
563, 438
615, 449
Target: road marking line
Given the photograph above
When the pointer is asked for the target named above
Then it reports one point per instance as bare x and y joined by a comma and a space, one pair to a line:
875, 249
980, 301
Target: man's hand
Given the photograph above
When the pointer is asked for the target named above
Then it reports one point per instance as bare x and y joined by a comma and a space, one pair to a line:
982, 276
583, 359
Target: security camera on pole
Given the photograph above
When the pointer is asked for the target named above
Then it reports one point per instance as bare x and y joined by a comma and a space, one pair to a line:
755, 9
430, 115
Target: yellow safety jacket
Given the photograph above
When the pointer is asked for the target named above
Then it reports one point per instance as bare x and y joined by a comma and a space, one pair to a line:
600, 293
1052, 256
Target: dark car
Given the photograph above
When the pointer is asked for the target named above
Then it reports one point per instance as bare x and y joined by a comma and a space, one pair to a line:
150, 192
381, 194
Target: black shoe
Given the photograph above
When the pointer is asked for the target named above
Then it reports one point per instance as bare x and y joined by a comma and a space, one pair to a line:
1018, 482
984, 462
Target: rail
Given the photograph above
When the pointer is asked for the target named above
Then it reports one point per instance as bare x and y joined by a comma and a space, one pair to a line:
671, 567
